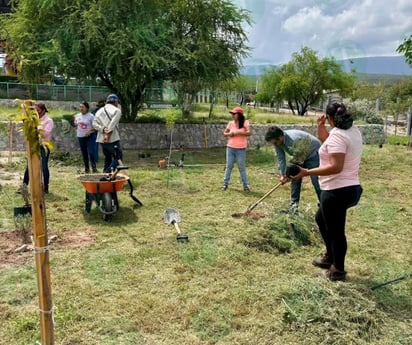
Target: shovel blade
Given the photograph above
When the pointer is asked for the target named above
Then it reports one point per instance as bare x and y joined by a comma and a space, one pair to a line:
171, 216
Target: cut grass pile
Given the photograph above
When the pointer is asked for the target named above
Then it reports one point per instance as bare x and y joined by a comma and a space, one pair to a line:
238, 280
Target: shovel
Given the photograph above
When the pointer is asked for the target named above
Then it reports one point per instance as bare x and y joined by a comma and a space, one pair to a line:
171, 216
253, 206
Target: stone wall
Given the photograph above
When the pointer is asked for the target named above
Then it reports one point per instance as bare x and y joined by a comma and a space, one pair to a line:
158, 136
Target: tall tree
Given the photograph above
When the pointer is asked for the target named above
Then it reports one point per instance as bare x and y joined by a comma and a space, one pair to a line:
127, 44
302, 81
210, 43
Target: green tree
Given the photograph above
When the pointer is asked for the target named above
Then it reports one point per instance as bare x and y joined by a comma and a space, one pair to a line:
127, 45
210, 44
303, 80
267, 93
400, 96
406, 49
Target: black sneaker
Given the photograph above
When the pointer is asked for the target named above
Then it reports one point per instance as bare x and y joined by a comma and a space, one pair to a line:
224, 187
322, 262
246, 189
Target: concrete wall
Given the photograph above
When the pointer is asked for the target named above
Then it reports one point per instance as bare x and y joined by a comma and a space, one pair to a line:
157, 136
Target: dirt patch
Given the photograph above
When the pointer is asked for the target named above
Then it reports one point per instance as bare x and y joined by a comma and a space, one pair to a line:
250, 214
11, 240
10, 178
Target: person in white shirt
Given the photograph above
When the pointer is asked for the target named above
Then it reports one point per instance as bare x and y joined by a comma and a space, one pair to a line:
106, 123
86, 135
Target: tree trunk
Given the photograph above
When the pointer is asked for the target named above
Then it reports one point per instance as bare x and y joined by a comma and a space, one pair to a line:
291, 107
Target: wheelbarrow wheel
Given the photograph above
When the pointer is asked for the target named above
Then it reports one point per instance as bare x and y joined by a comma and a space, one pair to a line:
107, 200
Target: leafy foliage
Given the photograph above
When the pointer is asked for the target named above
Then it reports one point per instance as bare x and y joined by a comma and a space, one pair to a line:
406, 49
30, 127
301, 150
303, 81
362, 109
192, 43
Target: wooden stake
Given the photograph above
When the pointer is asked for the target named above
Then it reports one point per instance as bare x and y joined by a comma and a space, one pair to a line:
40, 244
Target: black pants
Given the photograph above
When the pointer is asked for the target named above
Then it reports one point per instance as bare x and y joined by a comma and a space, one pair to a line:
331, 219
112, 153
44, 157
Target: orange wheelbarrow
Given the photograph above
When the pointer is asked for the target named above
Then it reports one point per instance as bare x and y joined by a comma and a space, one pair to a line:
103, 188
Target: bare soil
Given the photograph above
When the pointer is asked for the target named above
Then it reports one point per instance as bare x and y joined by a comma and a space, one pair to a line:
11, 240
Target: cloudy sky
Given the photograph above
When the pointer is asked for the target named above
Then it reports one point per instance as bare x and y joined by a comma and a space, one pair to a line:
339, 28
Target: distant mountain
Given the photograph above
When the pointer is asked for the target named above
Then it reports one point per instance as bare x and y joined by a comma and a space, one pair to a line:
384, 65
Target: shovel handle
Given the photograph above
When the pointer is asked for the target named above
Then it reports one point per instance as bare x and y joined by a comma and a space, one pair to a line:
251, 207
177, 227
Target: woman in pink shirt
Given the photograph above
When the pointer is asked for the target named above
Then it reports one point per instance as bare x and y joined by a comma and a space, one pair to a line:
340, 156
46, 127
236, 132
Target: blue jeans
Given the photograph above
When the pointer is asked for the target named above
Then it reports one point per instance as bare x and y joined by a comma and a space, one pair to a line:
296, 185
44, 157
88, 149
232, 156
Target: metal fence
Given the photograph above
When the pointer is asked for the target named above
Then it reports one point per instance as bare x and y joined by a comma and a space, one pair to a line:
52, 92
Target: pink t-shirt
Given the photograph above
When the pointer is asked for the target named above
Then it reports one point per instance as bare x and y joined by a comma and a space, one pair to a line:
348, 142
46, 124
237, 141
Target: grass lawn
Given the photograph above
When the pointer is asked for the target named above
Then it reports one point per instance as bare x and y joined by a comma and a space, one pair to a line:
237, 281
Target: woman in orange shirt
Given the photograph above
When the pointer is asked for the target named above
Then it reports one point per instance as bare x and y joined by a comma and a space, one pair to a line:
237, 131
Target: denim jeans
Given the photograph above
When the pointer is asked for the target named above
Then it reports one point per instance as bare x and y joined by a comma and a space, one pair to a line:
296, 185
88, 149
44, 157
232, 156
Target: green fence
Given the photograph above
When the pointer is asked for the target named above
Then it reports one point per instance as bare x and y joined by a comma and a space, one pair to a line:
75, 93
52, 92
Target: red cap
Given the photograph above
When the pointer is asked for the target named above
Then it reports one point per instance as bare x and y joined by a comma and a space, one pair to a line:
236, 110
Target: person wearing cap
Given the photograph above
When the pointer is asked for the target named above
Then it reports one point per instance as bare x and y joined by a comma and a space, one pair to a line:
46, 129
106, 122
287, 142
236, 132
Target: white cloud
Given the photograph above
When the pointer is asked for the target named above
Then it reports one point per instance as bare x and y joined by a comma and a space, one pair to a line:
345, 27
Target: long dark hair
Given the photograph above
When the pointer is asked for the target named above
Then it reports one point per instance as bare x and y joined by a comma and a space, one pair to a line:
241, 120
341, 118
86, 105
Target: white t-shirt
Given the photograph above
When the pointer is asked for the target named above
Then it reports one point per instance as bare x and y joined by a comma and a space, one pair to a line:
83, 123
349, 142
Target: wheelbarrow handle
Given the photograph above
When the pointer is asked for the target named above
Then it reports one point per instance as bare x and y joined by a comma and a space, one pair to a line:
131, 193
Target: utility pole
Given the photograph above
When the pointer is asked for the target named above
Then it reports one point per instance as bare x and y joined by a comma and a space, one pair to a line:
41, 249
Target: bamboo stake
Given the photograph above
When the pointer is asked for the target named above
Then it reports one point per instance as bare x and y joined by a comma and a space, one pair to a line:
40, 243
11, 129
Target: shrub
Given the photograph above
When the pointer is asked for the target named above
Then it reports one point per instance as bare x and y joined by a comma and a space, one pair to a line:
364, 110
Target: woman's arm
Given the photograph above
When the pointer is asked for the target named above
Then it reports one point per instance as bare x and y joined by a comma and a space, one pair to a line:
334, 167
322, 131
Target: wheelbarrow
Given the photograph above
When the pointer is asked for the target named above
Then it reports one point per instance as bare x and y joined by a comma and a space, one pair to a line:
103, 188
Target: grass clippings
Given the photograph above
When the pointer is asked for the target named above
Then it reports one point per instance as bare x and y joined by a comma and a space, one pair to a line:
238, 280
